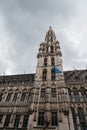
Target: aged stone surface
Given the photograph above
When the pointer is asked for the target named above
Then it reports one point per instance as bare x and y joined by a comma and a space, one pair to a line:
45, 100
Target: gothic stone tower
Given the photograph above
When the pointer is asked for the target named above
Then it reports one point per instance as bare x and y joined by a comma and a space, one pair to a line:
50, 98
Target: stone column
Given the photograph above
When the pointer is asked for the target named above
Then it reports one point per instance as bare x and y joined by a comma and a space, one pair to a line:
21, 121
3, 120
80, 96
72, 96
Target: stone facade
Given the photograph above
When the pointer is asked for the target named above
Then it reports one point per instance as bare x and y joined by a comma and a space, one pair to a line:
50, 99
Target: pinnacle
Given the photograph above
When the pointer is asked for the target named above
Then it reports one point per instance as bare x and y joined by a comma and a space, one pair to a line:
50, 28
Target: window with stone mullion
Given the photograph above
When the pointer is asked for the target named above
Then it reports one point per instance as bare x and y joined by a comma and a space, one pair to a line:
74, 119
44, 77
23, 96
43, 92
1, 116
15, 97
1, 97
76, 96
7, 120
8, 97
45, 61
52, 61
41, 118
17, 119
83, 93
53, 92
70, 96
82, 119
52, 75
25, 121
54, 120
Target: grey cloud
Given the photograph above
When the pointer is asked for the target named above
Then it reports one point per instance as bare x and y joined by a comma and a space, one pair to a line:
27, 21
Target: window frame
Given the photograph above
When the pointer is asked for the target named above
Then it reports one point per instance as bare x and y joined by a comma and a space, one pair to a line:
43, 92
8, 98
23, 96
25, 121
53, 92
17, 120
41, 118
45, 61
7, 120
54, 118
15, 97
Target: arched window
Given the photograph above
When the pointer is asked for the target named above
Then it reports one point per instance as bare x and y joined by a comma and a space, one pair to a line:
47, 49
41, 118
9, 96
70, 97
17, 120
83, 93
3, 92
1, 97
51, 49
23, 96
75, 94
25, 121
52, 61
53, 92
52, 74
54, 120
82, 120
15, 97
44, 75
51, 39
74, 118
43, 92
7, 120
45, 61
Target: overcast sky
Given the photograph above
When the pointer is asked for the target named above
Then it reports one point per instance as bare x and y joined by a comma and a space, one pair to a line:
24, 23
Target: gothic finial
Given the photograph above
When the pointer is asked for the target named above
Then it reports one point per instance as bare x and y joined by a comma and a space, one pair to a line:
50, 28
50, 35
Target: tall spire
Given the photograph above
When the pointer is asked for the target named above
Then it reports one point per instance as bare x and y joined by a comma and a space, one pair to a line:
50, 45
50, 35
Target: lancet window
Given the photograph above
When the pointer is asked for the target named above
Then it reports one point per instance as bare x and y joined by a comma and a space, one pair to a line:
53, 92
51, 49
17, 120
1, 116
1, 97
70, 96
54, 120
7, 120
45, 61
25, 121
75, 94
52, 74
43, 92
23, 96
44, 75
52, 61
15, 97
41, 118
83, 94
74, 119
82, 120
8, 97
